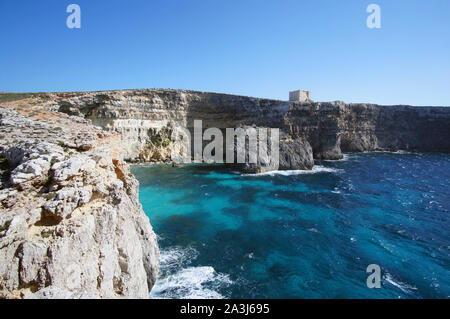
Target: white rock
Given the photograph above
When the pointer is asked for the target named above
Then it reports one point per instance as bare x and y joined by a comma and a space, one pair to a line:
107, 250
53, 292
29, 170
72, 167
67, 200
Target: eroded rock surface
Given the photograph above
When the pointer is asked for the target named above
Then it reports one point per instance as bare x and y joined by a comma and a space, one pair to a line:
71, 225
145, 119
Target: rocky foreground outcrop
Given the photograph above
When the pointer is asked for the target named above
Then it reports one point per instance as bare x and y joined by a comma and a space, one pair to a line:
71, 225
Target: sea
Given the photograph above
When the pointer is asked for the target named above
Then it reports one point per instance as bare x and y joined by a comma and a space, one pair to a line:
302, 234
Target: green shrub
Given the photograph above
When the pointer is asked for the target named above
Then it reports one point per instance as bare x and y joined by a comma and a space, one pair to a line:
5, 226
46, 234
11, 97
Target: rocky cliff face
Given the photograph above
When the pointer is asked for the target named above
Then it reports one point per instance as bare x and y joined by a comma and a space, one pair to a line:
320, 130
368, 127
146, 118
71, 225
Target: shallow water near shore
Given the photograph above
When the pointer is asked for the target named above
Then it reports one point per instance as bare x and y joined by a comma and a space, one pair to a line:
302, 234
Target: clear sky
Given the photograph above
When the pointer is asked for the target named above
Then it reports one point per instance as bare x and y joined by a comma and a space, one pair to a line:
260, 48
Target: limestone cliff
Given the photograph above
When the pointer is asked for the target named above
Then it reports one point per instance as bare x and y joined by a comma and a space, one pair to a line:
71, 225
145, 119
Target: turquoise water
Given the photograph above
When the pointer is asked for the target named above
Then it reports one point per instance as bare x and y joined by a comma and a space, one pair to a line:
303, 235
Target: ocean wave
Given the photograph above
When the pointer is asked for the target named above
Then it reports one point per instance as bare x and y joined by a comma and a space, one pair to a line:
180, 281
345, 157
175, 258
316, 169
191, 283
392, 152
400, 285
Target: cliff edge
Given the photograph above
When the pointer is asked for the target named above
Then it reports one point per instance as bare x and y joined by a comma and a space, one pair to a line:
71, 225
309, 130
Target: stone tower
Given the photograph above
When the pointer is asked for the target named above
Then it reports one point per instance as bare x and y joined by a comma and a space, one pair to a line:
300, 96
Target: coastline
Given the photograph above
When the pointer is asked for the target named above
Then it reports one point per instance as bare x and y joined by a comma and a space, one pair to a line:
65, 132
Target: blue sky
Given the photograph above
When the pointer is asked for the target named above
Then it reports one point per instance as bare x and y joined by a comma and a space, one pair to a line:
255, 48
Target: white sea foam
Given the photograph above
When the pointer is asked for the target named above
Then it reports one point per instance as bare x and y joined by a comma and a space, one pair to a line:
391, 152
316, 169
191, 283
179, 281
400, 285
336, 191
345, 158
175, 258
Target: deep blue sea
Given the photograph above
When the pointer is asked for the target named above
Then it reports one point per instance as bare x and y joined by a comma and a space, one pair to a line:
303, 234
